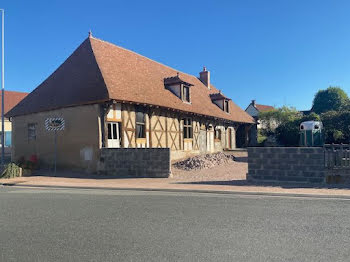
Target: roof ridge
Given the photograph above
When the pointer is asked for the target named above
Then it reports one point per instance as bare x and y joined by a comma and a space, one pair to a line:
131, 51
263, 105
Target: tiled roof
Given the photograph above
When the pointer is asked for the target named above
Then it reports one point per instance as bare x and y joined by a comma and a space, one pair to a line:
175, 80
11, 99
264, 108
100, 71
218, 96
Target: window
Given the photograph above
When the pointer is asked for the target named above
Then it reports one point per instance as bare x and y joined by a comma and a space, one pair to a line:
226, 106
217, 134
31, 131
140, 123
188, 128
7, 138
186, 93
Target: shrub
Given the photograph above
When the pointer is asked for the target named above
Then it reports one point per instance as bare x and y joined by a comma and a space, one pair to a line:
10, 171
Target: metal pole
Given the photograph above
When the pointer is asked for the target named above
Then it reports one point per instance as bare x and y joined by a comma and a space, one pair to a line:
55, 150
2, 87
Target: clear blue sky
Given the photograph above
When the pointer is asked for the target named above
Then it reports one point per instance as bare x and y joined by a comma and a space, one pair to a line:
277, 52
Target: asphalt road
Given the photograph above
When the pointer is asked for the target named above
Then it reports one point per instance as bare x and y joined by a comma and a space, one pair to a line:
111, 225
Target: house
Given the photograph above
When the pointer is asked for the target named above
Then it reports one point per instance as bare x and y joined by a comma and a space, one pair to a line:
111, 97
254, 109
11, 99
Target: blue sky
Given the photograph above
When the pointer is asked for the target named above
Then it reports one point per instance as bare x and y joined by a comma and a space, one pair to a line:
277, 52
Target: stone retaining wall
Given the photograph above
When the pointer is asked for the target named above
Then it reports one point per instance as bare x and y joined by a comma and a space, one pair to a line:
286, 164
135, 162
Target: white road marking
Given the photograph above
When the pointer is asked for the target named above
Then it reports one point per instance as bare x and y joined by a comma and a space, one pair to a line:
123, 192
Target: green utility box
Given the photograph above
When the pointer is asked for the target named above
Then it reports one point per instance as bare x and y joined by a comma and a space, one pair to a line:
311, 133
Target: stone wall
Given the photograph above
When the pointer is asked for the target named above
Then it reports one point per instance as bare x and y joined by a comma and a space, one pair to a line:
286, 164
135, 162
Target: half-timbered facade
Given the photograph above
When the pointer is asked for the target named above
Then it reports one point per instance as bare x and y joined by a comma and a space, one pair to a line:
129, 101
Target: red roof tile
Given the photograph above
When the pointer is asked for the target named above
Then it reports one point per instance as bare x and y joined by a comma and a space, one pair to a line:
264, 108
99, 71
11, 99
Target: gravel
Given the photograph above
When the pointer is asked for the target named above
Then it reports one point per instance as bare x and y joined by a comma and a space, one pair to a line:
204, 161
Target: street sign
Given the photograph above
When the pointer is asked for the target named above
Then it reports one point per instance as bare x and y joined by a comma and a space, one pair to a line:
54, 124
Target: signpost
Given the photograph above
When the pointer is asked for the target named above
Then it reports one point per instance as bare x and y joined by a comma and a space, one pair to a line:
2, 85
54, 124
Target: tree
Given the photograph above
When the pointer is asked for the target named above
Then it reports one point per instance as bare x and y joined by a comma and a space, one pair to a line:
288, 133
331, 99
336, 126
270, 120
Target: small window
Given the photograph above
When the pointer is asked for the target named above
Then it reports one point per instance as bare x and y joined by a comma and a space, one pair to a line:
186, 93
188, 128
217, 134
31, 131
109, 131
140, 123
226, 106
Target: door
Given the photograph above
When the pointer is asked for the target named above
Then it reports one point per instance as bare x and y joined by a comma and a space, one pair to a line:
114, 134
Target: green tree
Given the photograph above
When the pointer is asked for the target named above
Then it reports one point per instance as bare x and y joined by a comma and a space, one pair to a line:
337, 126
333, 98
288, 134
270, 120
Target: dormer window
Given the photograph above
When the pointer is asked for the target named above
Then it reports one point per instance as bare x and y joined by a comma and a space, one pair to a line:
221, 101
226, 106
178, 87
186, 93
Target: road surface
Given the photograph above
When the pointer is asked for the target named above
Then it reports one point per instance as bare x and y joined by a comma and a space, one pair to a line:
111, 225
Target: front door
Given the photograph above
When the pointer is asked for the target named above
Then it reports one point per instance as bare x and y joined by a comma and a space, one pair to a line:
114, 134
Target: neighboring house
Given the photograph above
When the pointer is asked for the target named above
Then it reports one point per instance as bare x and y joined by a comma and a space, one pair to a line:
254, 109
112, 97
11, 99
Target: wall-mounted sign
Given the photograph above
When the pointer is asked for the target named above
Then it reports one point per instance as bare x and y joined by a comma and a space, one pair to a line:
54, 124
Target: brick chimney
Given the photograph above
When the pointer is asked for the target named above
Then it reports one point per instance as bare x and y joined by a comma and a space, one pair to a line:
253, 102
204, 76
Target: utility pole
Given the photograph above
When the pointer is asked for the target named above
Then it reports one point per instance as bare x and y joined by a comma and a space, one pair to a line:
2, 86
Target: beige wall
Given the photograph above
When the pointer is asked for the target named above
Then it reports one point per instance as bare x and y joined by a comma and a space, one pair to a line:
82, 136
7, 125
75, 144
165, 129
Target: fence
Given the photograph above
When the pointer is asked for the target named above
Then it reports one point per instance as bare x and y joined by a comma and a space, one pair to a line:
337, 156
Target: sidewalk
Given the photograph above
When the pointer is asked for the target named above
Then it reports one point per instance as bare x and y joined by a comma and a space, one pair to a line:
230, 177
173, 184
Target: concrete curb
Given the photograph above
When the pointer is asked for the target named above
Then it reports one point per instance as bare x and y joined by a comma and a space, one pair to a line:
174, 190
